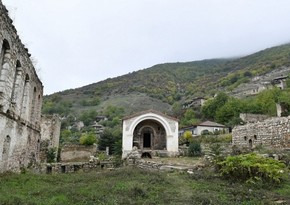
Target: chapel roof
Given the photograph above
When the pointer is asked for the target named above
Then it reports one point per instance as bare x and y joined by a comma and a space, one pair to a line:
149, 111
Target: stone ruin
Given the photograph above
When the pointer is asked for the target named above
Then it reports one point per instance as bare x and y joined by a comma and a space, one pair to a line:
21, 93
273, 132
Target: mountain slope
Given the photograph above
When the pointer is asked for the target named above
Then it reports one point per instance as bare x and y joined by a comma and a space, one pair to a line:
162, 85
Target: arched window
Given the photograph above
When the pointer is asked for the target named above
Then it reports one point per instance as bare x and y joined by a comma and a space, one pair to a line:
17, 76
24, 97
6, 148
32, 114
5, 49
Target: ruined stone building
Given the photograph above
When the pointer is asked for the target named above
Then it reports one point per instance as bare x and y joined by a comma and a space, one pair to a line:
20, 100
151, 133
273, 132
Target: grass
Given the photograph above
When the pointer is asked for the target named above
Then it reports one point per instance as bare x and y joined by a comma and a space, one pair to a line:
133, 186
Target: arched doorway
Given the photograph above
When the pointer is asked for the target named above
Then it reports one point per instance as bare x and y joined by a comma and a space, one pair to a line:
149, 134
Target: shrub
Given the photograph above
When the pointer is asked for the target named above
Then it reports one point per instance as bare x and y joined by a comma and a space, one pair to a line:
253, 168
194, 149
51, 155
88, 139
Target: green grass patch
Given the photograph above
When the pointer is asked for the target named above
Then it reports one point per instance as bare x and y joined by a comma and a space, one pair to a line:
132, 186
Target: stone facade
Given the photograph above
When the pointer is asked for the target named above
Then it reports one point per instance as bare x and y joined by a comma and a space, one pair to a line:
151, 132
273, 132
21, 94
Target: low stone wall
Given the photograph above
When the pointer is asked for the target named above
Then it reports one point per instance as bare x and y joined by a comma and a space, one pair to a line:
157, 166
74, 153
273, 132
58, 168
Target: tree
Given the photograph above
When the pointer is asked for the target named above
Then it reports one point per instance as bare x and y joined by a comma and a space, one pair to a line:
211, 106
188, 118
229, 112
88, 117
112, 138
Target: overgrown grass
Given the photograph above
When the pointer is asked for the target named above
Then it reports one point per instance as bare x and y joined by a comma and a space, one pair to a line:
132, 186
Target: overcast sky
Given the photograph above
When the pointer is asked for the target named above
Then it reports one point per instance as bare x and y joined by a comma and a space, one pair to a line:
79, 42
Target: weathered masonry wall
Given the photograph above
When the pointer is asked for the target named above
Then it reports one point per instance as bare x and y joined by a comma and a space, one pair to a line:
21, 94
75, 153
273, 132
50, 133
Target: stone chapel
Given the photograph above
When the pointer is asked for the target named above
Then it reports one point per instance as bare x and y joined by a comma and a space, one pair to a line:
151, 133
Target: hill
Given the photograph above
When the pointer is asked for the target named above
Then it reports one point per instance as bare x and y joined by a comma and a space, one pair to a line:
160, 86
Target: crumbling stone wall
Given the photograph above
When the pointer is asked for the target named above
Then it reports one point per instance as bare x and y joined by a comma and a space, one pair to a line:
75, 153
50, 133
21, 94
252, 118
273, 132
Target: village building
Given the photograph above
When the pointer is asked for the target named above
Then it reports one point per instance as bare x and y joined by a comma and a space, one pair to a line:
150, 133
194, 103
206, 127
280, 82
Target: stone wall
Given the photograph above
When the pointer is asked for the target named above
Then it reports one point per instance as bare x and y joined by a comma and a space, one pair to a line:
57, 168
21, 94
75, 153
273, 132
50, 133
252, 118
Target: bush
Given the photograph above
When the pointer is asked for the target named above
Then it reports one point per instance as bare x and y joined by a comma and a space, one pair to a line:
194, 149
253, 168
51, 155
88, 139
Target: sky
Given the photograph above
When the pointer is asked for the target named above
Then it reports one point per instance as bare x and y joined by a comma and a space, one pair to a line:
79, 42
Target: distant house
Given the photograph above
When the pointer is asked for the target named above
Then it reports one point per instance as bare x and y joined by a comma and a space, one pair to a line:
100, 118
203, 128
195, 102
280, 82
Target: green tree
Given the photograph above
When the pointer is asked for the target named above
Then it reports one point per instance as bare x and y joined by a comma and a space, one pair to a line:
112, 138
88, 117
88, 138
229, 112
188, 118
211, 106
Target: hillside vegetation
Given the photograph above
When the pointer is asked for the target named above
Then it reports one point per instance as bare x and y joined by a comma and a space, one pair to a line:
166, 86
160, 86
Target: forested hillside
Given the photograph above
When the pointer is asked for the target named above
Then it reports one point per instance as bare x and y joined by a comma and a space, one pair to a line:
162, 85
165, 87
